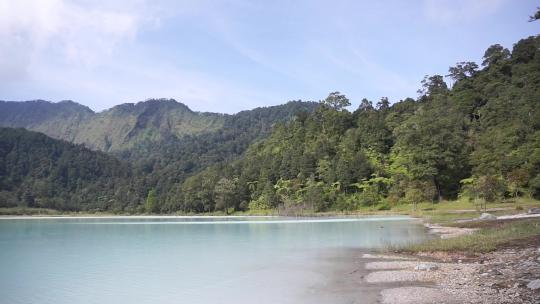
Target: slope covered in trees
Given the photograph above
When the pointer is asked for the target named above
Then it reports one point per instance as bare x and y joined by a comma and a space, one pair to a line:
38, 171
157, 164
163, 165
479, 139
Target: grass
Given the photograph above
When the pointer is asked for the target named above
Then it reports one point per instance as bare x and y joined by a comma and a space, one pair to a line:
29, 211
515, 233
444, 212
447, 212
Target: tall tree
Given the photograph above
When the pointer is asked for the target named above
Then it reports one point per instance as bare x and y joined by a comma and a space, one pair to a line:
337, 101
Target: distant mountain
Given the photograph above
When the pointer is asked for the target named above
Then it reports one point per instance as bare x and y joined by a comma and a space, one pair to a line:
60, 120
118, 128
126, 126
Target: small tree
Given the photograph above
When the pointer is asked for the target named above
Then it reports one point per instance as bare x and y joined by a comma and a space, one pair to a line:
414, 196
151, 201
224, 194
489, 187
517, 179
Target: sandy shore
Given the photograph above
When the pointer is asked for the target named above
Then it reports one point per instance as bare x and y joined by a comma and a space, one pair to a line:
448, 232
359, 276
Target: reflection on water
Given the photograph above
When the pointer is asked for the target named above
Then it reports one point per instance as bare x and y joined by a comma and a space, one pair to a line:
180, 260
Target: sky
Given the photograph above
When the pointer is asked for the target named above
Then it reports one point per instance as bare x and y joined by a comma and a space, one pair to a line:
232, 55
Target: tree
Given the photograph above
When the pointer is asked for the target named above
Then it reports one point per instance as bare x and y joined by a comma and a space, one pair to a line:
463, 70
414, 196
225, 194
337, 101
383, 104
151, 201
365, 105
489, 188
517, 180
431, 146
495, 54
433, 85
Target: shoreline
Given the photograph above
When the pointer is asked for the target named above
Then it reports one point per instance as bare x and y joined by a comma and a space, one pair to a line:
508, 274
300, 218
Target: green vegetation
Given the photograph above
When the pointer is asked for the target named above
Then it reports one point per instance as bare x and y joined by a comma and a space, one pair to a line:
117, 129
29, 211
37, 171
447, 212
485, 239
151, 164
476, 141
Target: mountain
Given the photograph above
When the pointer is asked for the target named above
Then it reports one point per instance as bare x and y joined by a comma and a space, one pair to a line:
163, 140
39, 171
60, 120
168, 163
119, 128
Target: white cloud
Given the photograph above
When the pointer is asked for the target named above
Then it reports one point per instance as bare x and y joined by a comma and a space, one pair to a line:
72, 49
70, 32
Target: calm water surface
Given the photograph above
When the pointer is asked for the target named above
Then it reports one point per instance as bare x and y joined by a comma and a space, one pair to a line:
181, 260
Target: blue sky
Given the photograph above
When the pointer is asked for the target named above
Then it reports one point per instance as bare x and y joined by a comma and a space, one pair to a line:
227, 56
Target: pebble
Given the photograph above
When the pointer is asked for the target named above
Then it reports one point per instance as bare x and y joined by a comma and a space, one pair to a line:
426, 267
534, 285
487, 216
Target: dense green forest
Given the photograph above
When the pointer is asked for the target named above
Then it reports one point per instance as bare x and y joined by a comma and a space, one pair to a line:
476, 137
38, 171
479, 139
155, 162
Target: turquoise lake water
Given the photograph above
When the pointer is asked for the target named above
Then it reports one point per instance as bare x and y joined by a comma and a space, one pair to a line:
182, 260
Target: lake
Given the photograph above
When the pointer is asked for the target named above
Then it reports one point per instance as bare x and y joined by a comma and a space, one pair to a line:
186, 259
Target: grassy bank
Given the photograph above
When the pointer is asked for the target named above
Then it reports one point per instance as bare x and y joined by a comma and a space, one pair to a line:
444, 212
495, 235
448, 212
30, 211
490, 235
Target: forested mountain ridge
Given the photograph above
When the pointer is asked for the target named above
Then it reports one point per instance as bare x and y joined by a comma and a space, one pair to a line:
166, 164
478, 139
159, 157
127, 128
119, 128
60, 120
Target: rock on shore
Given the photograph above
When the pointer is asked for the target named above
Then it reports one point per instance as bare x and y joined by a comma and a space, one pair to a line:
501, 277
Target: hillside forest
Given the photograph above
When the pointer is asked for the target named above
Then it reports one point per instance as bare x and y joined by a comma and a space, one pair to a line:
473, 133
